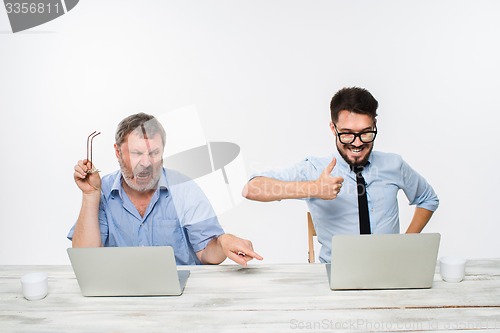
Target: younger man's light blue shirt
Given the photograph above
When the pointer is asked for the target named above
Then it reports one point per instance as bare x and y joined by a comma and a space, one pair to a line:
384, 175
179, 215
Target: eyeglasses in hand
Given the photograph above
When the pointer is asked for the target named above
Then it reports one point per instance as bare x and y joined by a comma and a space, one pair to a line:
90, 139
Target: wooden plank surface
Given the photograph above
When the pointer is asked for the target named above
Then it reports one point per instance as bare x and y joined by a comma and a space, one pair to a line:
261, 298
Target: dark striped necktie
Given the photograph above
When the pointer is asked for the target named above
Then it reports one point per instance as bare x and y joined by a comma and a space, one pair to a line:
364, 216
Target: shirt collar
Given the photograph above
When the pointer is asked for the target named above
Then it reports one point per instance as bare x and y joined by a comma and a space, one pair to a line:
345, 167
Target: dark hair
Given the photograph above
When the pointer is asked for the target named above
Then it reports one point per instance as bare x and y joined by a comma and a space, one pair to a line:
353, 99
144, 124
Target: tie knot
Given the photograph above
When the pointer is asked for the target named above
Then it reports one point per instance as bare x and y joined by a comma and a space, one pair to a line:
358, 169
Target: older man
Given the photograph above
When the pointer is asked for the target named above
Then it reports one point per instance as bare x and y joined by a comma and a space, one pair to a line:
145, 204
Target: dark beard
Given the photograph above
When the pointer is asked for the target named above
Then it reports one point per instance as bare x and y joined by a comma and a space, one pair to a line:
358, 162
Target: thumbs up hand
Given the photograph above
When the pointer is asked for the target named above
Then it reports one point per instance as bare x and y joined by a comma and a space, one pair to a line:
327, 186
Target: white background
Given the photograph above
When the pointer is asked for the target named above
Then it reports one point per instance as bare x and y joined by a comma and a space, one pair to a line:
261, 74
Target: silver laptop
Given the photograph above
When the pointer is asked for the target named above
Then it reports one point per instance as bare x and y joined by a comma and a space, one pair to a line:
127, 271
392, 261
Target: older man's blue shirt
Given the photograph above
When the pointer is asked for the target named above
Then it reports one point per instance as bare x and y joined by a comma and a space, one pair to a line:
178, 215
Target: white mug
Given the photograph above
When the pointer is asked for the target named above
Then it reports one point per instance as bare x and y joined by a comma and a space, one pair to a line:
452, 268
35, 286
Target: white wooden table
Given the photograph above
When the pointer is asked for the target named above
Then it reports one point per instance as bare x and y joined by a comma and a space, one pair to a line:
262, 298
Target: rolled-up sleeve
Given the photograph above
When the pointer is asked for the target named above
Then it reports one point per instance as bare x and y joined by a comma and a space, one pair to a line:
196, 214
303, 171
418, 191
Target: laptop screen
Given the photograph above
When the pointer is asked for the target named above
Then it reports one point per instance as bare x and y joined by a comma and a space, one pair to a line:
390, 261
127, 271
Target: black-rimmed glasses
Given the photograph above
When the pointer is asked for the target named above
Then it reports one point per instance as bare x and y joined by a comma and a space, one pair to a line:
348, 137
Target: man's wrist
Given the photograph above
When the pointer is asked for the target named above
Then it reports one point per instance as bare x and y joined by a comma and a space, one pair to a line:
91, 198
310, 189
221, 238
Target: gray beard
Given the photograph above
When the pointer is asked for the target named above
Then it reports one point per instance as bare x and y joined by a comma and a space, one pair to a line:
128, 177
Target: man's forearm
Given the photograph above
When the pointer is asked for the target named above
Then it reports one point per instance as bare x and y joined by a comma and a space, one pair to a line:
269, 189
87, 233
419, 220
212, 254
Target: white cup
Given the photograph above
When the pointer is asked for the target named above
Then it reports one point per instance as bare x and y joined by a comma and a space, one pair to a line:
452, 268
35, 285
